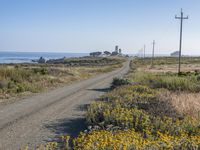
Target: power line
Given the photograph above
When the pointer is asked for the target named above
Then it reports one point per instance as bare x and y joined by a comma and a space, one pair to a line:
181, 18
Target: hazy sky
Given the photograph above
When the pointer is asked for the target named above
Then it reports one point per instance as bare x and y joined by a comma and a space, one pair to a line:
90, 25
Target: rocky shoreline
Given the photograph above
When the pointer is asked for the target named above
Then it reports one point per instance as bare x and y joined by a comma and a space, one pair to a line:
81, 61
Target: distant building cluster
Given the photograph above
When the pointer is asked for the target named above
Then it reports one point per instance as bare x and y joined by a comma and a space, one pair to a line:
175, 54
116, 52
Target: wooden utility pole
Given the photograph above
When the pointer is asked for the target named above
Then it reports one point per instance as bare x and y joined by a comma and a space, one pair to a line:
152, 59
181, 18
144, 50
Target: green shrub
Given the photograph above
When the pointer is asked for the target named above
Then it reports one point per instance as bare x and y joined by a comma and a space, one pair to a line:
20, 88
42, 71
132, 140
119, 82
139, 107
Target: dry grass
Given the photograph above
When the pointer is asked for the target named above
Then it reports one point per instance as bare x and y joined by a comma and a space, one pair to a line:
23, 79
170, 68
186, 103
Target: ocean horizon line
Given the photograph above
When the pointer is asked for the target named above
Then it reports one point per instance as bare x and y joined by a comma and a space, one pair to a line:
15, 51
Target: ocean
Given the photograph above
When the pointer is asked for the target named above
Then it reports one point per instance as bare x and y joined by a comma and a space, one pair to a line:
27, 57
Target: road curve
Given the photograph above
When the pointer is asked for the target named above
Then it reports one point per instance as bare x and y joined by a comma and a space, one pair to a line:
44, 117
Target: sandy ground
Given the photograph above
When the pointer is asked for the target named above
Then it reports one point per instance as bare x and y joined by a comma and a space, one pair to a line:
46, 116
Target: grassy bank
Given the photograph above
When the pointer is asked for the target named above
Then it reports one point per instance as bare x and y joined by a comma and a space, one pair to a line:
21, 79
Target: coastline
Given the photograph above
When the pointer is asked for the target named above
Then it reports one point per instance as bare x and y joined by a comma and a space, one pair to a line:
7, 57
23, 80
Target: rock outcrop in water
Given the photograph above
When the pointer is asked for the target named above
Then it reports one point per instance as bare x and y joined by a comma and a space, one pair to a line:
42, 60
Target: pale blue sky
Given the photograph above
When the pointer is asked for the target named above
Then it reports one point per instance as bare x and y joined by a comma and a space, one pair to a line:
88, 25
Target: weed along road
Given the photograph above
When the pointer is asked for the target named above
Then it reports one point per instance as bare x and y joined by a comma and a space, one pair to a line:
41, 118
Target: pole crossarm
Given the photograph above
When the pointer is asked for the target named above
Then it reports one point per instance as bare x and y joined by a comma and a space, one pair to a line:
177, 17
181, 18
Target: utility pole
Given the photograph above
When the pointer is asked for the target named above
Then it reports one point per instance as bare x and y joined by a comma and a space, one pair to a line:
144, 50
180, 45
152, 59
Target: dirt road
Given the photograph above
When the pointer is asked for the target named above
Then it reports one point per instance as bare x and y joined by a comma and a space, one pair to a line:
44, 117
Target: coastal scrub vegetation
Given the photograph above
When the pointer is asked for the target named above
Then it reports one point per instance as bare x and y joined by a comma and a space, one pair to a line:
20, 79
143, 114
87, 61
171, 81
145, 110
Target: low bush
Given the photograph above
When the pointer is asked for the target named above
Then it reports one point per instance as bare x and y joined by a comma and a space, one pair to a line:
136, 113
141, 121
119, 82
42, 71
132, 140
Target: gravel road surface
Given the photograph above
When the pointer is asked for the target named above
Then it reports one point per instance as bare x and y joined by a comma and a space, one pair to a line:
41, 118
